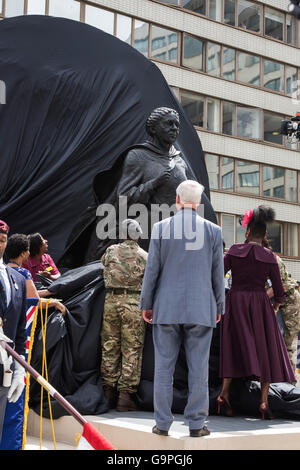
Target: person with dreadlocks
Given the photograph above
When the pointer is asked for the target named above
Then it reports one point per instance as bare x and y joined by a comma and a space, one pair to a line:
251, 343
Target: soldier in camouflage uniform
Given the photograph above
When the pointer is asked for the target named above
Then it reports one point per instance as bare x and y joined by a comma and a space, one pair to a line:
290, 311
123, 327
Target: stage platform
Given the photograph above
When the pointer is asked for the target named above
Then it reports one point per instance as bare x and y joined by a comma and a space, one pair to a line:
132, 431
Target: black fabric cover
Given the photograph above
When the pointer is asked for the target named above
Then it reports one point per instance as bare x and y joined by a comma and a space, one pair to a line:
76, 98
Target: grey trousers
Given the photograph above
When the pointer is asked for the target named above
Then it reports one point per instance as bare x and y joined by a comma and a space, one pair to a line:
3, 401
167, 341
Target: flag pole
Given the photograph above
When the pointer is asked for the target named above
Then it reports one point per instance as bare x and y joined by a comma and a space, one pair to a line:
53, 392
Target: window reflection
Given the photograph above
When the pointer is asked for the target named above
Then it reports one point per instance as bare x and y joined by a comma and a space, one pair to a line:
248, 68
66, 9
123, 28
215, 10
193, 106
292, 30
213, 58
247, 177
229, 12
172, 2
213, 114
292, 239
198, 6
228, 229
35, 7
100, 18
274, 234
248, 122
273, 182
141, 37
193, 52
229, 63
14, 8
228, 118
248, 15
274, 23
227, 174
291, 79
212, 166
291, 185
273, 75
272, 124
164, 44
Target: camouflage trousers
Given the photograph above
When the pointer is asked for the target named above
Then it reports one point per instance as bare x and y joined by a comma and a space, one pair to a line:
122, 342
290, 312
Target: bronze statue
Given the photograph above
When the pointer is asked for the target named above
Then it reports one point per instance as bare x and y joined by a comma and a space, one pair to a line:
148, 174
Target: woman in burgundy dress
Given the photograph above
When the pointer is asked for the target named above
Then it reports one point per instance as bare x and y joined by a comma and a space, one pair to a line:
252, 345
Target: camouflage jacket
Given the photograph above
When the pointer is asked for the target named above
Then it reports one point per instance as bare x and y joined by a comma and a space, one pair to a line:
124, 265
289, 285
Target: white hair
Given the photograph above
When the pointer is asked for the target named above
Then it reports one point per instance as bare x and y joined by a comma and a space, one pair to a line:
190, 191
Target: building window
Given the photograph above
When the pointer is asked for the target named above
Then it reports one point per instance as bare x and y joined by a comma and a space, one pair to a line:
213, 59
123, 28
164, 44
141, 37
193, 106
248, 15
272, 124
99, 18
227, 174
274, 23
291, 185
247, 177
172, 2
292, 30
193, 52
215, 10
212, 165
66, 9
229, 12
291, 79
14, 8
228, 229
248, 122
213, 115
274, 235
228, 63
198, 6
248, 68
228, 118
273, 75
291, 232
36, 7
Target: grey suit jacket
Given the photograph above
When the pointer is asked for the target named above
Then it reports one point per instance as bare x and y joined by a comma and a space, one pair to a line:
184, 276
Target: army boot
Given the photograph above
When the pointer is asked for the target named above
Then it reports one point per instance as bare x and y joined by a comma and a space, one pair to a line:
126, 402
111, 395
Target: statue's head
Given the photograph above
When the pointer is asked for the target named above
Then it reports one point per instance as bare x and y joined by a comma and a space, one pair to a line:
163, 125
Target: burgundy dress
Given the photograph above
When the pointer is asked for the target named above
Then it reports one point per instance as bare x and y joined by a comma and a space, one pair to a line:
251, 342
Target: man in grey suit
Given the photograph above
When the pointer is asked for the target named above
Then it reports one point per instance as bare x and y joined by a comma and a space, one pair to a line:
183, 296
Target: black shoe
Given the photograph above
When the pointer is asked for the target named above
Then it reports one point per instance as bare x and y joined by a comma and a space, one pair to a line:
199, 432
160, 432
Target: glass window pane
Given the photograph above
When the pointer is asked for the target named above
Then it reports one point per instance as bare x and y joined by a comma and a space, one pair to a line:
248, 122
141, 37
213, 59
172, 2
229, 63
215, 10
199, 6
100, 18
273, 75
164, 44
247, 177
272, 124
212, 166
193, 52
14, 8
229, 12
36, 7
248, 15
291, 79
291, 188
124, 28
240, 232
274, 23
292, 30
273, 181
213, 115
1, 6
66, 9
274, 235
292, 240
227, 174
228, 229
228, 118
248, 68
193, 106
